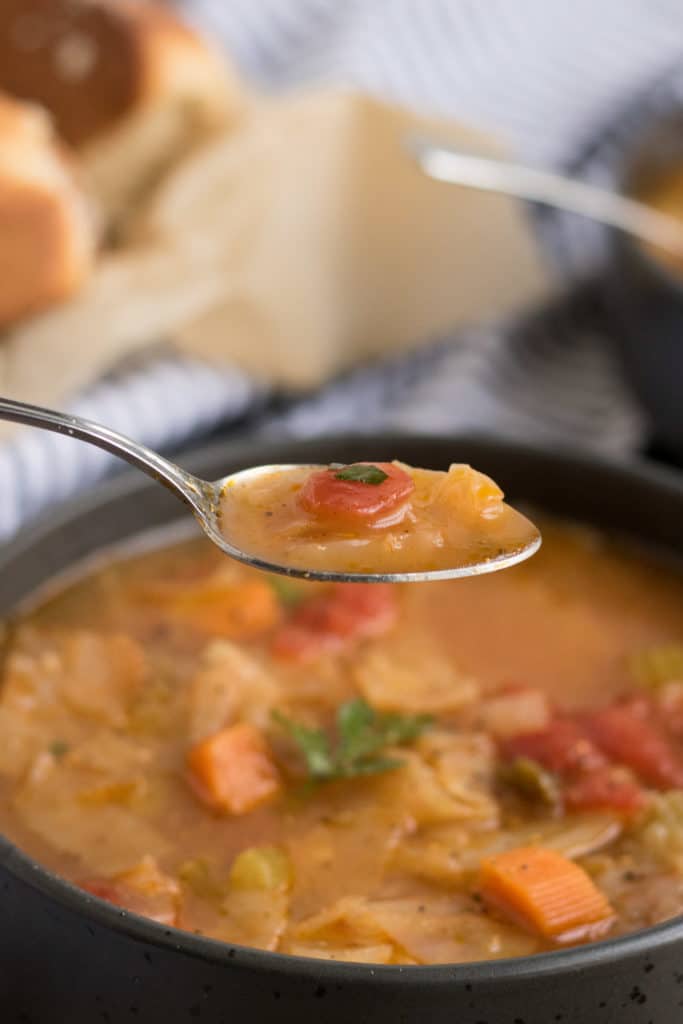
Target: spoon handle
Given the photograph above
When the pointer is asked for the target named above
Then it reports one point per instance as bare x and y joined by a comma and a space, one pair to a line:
183, 484
450, 164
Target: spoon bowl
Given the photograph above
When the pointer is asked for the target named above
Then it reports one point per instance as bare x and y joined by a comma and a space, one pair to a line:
215, 527
207, 500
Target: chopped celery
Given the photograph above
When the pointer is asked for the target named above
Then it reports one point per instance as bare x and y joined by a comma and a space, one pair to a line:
198, 876
531, 780
261, 867
655, 666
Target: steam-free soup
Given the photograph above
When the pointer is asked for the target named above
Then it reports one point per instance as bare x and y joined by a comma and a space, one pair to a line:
394, 774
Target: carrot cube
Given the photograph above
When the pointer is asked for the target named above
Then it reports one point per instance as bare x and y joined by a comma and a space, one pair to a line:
540, 890
233, 770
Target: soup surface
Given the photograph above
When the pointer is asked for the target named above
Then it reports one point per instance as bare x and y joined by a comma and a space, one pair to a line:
383, 517
400, 774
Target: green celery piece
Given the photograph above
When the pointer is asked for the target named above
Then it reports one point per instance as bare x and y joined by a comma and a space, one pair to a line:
655, 666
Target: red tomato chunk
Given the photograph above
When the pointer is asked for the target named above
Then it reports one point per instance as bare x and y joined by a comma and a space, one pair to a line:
143, 889
627, 734
590, 779
331, 622
353, 501
604, 789
563, 747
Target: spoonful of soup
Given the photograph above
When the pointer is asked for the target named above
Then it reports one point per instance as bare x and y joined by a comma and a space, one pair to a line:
364, 522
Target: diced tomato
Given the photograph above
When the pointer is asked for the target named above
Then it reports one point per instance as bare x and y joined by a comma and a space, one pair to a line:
143, 889
103, 890
628, 735
605, 789
589, 778
563, 747
335, 619
324, 494
670, 708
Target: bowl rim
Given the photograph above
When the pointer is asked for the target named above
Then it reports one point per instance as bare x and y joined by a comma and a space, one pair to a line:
643, 944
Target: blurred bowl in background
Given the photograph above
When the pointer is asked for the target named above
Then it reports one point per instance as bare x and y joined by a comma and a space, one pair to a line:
645, 287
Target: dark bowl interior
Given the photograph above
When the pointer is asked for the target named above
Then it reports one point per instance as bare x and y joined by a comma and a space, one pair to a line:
66, 957
646, 296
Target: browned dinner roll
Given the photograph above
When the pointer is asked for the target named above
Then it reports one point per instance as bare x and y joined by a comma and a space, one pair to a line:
127, 84
47, 234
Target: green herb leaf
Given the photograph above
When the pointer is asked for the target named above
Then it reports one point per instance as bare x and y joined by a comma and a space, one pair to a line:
362, 734
362, 474
403, 728
313, 743
373, 766
58, 748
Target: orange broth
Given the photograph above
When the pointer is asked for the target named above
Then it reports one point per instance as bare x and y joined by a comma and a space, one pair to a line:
140, 756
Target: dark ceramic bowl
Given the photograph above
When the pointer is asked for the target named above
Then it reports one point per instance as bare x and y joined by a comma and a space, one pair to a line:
67, 958
647, 297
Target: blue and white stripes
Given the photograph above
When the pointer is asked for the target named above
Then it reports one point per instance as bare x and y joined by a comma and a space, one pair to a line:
557, 81
547, 75
161, 401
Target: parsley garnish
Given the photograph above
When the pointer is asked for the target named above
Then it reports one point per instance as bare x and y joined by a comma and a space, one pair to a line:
362, 474
362, 733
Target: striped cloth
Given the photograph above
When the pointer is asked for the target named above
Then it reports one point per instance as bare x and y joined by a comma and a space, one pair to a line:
565, 85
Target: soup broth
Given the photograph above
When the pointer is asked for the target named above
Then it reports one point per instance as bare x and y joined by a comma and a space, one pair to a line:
439, 772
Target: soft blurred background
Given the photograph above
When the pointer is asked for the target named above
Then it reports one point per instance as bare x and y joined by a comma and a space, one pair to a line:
262, 253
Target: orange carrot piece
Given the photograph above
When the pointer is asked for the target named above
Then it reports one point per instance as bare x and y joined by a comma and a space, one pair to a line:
237, 610
233, 770
540, 890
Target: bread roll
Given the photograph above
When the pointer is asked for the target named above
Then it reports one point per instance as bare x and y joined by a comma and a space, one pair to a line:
47, 234
128, 85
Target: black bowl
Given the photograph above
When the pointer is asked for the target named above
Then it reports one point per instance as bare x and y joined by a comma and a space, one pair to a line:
646, 296
67, 958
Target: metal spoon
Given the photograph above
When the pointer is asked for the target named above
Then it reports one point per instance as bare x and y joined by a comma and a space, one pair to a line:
204, 498
458, 167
